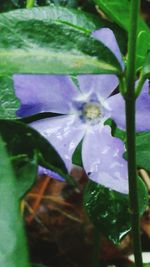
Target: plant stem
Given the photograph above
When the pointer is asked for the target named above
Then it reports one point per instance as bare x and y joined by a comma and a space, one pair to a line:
133, 192
96, 247
130, 100
30, 3
122, 85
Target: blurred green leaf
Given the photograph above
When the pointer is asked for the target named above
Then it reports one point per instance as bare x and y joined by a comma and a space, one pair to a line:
109, 210
146, 66
119, 13
13, 250
67, 3
16, 2
52, 40
30, 3
6, 5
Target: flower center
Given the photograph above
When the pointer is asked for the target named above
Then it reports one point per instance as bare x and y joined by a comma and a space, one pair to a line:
91, 111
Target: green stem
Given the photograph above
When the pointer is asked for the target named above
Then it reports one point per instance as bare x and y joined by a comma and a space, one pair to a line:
132, 37
122, 85
30, 3
96, 247
133, 190
130, 125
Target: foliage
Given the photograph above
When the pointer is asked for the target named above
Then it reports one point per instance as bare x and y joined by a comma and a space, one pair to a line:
55, 37
12, 237
110, 210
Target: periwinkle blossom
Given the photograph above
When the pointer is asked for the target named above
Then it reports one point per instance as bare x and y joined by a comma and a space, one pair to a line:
84, 108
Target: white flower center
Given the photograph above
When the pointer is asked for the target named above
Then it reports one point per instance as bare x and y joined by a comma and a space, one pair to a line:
91, 111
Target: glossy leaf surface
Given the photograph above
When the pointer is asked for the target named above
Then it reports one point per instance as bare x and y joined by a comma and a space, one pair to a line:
119, 13
109, 210
51, 40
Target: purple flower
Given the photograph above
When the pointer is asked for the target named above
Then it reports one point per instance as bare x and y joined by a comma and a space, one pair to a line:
85, 106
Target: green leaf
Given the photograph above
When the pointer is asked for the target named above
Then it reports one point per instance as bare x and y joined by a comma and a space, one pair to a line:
30, 3
13, 250
8, 101
119, 13
51, 40
17, 38
143, 151
116, 132
146, 66
21, 139
109, 210
77, 157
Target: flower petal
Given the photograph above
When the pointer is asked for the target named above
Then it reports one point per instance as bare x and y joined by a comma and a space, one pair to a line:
102, 84
116, 105
43, 93
63, 132
103, 161
107, 37
52, 174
